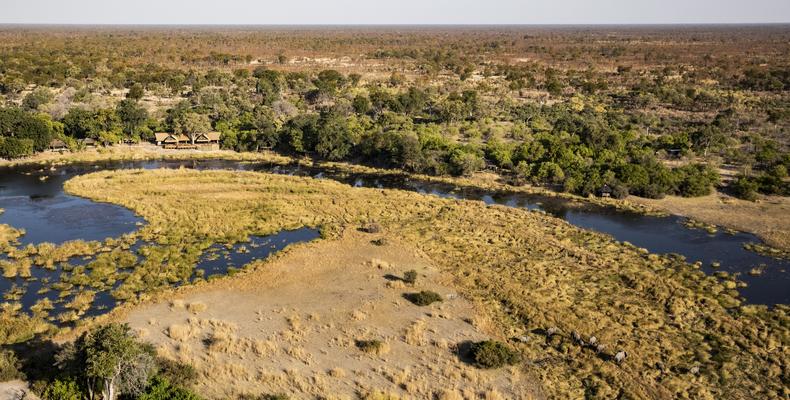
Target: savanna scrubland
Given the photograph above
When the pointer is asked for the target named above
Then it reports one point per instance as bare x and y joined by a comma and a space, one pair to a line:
681, 119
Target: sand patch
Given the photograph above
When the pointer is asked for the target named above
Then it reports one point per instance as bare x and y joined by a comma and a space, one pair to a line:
325, 320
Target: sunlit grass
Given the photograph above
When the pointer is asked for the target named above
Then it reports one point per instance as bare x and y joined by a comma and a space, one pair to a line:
528, 272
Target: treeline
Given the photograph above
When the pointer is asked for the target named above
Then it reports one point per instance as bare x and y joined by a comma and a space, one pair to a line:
579, 145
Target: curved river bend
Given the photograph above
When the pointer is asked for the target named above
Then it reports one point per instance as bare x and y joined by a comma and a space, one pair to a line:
34, 200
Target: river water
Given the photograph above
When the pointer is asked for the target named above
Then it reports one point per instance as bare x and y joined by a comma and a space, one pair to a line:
34, 200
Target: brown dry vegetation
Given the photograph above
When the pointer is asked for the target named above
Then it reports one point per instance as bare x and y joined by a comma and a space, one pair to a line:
526, 272
292, 326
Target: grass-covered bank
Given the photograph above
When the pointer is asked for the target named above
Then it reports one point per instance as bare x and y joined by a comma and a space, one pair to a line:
762, 219
684, 333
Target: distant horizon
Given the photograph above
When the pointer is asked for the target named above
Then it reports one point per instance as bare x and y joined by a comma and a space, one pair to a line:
637, 24
398, 13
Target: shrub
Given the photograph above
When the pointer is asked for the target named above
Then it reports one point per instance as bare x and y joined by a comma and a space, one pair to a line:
465, 162
372, 346
371, 228
619, 191
423, 298
178, 373
9, 366
161, 389
62, 390
745, 188
493, 354
278, 396
410, 276
695, 180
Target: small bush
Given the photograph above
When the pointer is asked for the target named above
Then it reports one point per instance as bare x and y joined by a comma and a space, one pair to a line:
410, 277
62, 390
493, 354
161, 389
9, 366
745, 188
177, 373
371, 228
619, 191
274, 397
423, 298
372, 346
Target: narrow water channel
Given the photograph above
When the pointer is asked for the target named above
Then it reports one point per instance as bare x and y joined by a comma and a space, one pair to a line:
34, 200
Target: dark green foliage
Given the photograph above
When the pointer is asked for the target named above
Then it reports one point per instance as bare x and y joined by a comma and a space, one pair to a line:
132, 116
745, 188
37, 98
464, 161
136, 92
423, 298
17, 124
161, 389
108, 360
361, 104
177, 373
695, 180
329, 81
335, 140
492, 354
11, 147
775, 79
619, 190
63, 390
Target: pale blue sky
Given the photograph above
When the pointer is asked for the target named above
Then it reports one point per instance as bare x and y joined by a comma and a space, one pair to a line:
393, 11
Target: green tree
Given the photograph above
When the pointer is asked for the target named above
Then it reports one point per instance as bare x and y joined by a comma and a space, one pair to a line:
19, 125
192, 123
132, 116
361, 104
335, 138
37, 98
109, 361
136, 92
329, 81
464, 161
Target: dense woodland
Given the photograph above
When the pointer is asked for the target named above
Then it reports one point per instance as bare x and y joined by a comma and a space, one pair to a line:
644, 111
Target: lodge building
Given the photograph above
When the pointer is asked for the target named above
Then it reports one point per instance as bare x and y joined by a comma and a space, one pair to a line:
203, 141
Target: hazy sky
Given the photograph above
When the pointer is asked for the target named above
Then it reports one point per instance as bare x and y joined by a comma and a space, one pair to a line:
392, 11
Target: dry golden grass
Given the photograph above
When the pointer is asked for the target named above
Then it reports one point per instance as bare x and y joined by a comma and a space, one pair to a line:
530, 273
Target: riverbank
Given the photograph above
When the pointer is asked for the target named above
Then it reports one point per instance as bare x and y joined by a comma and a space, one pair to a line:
532, 276
767, 219
137, 152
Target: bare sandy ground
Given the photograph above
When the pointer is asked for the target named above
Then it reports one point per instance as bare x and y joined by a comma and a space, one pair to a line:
768, 218
15, 390
290, 327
